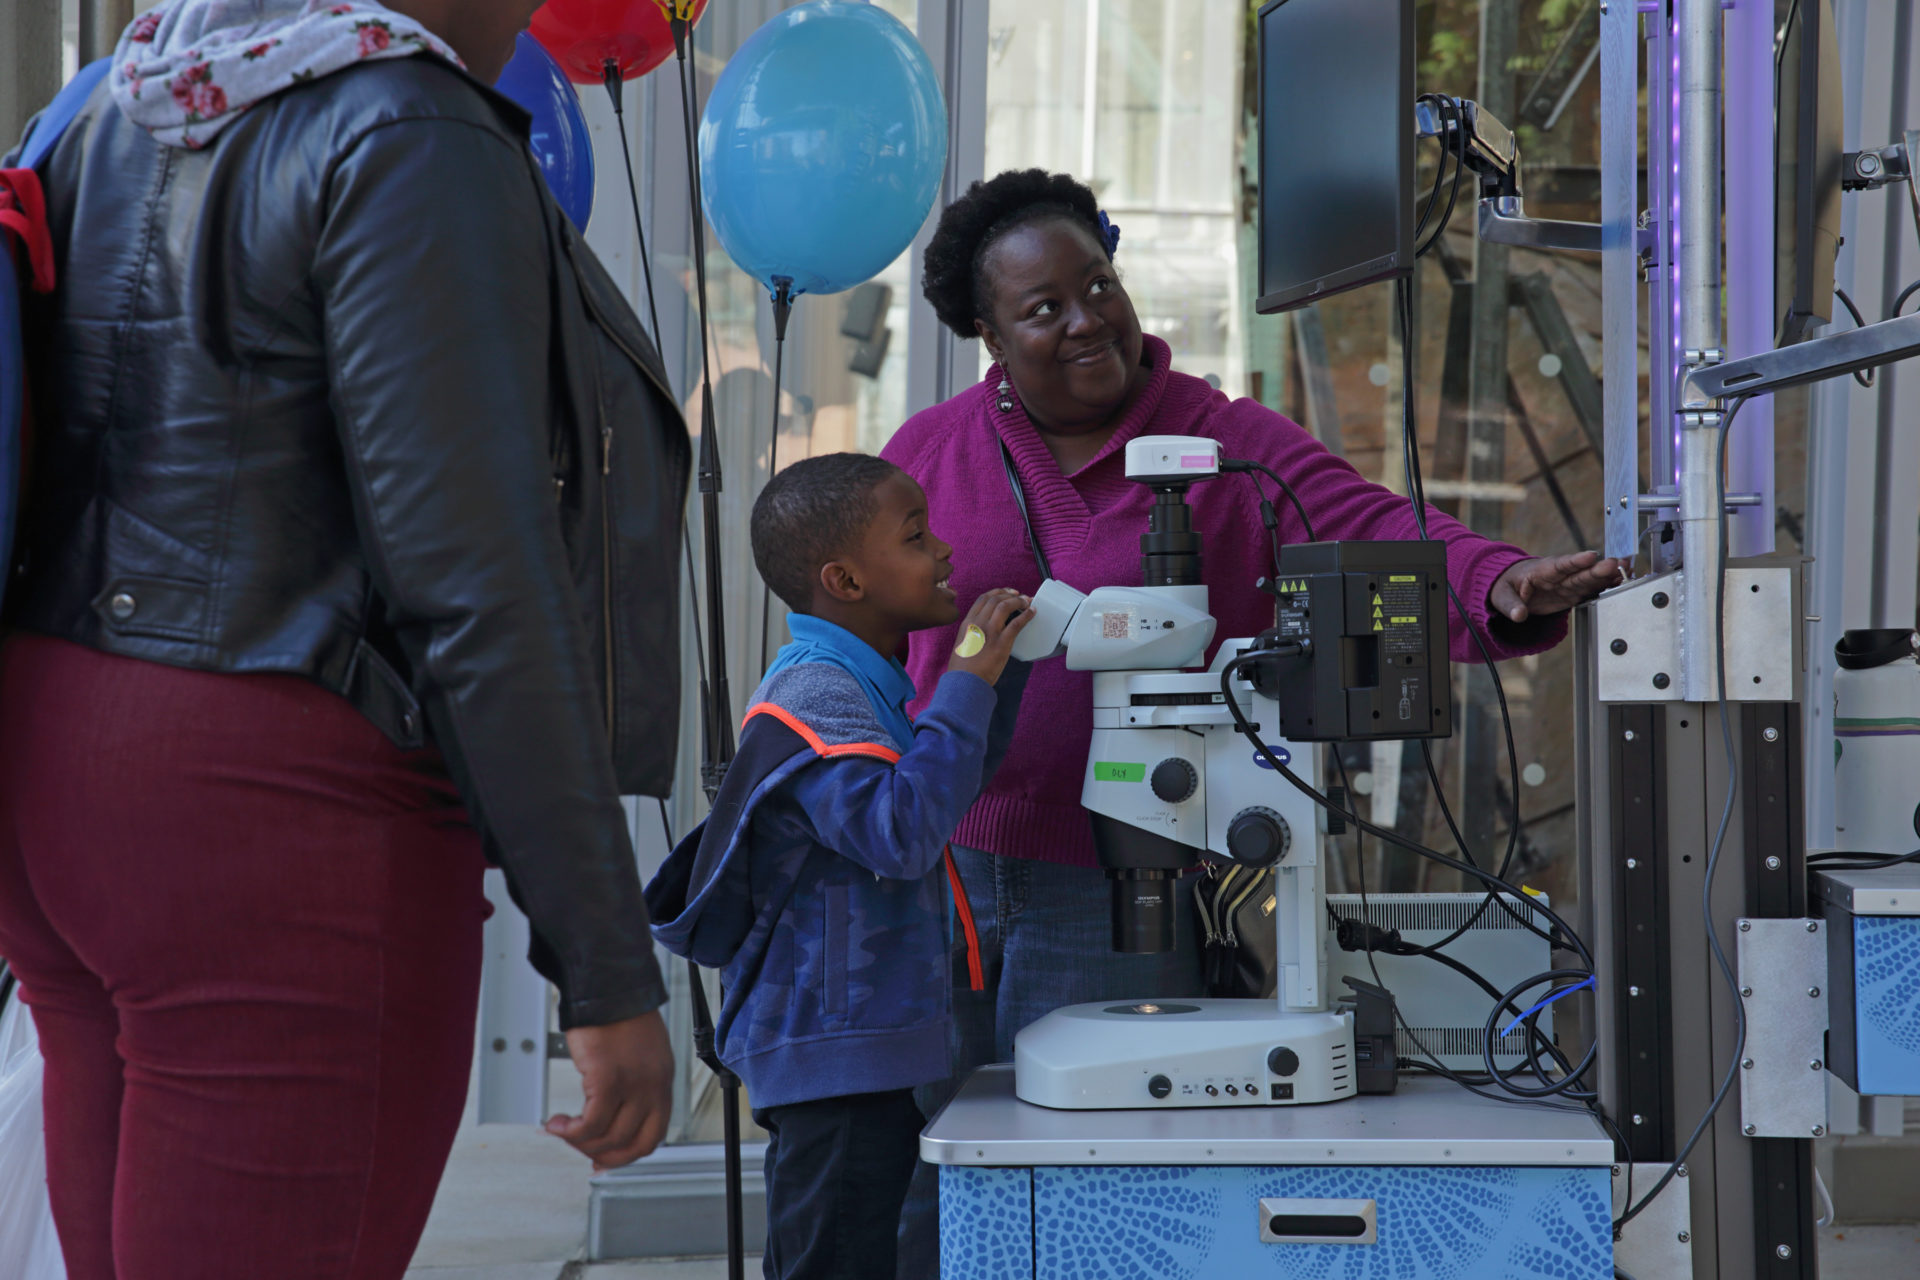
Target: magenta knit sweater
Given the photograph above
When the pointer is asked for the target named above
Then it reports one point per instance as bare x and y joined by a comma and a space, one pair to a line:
1090, 524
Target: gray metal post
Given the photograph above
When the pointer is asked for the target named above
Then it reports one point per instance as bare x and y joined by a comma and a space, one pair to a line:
1619, 290
1750, 262
101, 24
29, 63
1699, 30
1487, 408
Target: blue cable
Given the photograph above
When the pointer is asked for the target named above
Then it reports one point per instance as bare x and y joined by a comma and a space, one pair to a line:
1564, 991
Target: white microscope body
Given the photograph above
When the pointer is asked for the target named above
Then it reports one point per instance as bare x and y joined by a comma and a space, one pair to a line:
1169, 775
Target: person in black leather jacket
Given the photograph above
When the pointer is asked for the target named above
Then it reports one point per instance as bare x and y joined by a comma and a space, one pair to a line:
330, 393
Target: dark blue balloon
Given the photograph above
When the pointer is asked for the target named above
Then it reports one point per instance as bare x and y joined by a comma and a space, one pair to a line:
559, 137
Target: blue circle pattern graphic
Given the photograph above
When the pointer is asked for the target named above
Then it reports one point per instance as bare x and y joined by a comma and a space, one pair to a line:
1166, 1223
1886, 952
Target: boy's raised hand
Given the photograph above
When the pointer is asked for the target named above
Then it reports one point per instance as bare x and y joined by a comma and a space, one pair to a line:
987, 632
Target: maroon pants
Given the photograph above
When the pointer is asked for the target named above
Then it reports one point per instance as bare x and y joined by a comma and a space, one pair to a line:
249, 930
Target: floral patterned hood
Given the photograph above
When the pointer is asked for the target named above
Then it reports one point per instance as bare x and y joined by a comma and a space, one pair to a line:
188, 68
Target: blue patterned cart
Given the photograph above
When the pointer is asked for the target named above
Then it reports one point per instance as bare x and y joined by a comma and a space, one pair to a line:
1429, 1184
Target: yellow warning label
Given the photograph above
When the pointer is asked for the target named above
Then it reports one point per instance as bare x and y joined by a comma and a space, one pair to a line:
1376, 600
1400, 620
1402, 577
1377, 626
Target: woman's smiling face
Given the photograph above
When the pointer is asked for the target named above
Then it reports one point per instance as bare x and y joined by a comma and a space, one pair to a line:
1061, 324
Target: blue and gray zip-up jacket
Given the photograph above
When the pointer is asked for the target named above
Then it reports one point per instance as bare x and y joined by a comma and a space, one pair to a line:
813, 885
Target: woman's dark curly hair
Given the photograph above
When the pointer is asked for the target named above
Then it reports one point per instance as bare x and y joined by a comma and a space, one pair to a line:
954, 280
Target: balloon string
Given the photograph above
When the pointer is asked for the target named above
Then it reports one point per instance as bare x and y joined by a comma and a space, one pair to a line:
782, 308
615, 87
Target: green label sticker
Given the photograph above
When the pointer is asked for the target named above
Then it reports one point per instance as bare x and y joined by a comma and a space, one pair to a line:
1116, 771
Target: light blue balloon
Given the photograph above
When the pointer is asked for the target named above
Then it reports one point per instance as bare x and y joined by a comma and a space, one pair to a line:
822, 146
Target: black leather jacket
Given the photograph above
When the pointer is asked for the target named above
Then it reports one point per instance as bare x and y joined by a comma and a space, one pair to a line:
345, 395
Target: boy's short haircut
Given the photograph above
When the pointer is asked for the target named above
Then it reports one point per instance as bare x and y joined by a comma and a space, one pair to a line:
810, 513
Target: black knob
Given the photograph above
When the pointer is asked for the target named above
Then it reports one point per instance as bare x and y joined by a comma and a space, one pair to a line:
1283, 1061
1174, 780
1159, 1086
1258, 837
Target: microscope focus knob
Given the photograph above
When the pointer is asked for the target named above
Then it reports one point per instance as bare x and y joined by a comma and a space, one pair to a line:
1258, 837
1283, 1061
1174, 780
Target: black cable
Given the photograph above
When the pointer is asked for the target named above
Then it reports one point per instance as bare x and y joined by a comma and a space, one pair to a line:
1446, 811
1457, 135
1247, 464
1444, 138
1719, 836
1862, 376
1841, 861
1492, 880
1901, 301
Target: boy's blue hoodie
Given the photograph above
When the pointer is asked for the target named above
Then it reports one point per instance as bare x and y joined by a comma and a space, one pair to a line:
813, 885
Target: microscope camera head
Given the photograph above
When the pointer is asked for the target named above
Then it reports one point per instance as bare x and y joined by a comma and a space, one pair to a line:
1172, 462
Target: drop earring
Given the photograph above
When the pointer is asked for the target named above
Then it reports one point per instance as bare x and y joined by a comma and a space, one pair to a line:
1006, 395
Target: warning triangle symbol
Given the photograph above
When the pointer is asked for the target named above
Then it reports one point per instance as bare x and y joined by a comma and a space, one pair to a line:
1376, 600
1376, 613
1377, 626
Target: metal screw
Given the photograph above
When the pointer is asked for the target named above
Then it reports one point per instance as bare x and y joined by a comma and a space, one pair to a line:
1750, 1130
1633, 991
1686, 1237
1661, 679
1628, 735
1782, 1251
1868, 165
1746, 926
526, 1046
1746, 993
1618, 646
1771, 735
1616, 1171
499, 1044
1773, 862
1660, 600
1746, 1063
1819, 1131
1632, 863
1814, 992
1813, 926
1639, 1119
1816, 1064
1681, 1172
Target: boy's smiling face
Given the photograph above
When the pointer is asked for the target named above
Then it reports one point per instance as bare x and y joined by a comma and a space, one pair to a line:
896, 579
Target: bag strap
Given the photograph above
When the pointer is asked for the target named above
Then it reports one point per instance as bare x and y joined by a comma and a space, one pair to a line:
1020, 500
60, 112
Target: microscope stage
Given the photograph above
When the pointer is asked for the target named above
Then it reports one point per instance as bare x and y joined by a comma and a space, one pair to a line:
1149, 1054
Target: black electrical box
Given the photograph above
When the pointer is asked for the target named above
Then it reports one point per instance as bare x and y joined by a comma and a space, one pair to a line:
1370, 619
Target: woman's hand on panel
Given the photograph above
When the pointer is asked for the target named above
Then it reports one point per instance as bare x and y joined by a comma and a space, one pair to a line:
1553, 584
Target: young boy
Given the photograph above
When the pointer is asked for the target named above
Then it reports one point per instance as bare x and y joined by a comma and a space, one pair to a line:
813, 884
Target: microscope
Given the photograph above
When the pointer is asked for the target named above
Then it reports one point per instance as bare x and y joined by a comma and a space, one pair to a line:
1183, 768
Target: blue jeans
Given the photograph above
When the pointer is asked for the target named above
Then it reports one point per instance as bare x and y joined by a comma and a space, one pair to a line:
1046, 938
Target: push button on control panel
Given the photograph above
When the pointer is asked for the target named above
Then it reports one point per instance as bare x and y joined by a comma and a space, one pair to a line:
1159, 1086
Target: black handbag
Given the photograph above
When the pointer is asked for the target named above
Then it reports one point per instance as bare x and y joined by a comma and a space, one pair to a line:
1240, 953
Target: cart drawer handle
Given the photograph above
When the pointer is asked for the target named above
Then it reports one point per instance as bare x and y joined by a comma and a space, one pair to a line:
1318, 1222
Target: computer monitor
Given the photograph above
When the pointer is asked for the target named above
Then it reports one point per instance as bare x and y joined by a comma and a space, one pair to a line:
1809, 140
1336, 147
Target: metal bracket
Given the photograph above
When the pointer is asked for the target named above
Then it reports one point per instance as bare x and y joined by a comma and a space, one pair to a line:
1871, 170
1811, 361
1637, 629
1783, 979
1659, 1242
1503, 220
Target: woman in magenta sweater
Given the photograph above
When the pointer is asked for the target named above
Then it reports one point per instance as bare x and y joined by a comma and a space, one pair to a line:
1025, 262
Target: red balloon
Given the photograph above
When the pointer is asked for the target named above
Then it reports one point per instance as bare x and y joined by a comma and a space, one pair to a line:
582, 35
